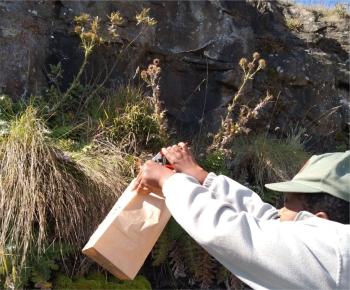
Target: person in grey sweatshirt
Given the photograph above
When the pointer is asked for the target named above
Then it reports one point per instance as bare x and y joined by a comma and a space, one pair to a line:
304, 245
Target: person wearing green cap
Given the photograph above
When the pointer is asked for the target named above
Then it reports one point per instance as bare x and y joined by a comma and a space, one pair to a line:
304, 245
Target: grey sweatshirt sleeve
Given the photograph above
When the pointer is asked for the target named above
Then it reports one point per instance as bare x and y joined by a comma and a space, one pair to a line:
240, 197
234, 226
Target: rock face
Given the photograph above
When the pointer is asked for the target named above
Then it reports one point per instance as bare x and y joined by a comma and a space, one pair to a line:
199, 44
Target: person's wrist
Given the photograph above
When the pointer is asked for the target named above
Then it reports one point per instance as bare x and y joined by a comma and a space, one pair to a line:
165, 176
200, 174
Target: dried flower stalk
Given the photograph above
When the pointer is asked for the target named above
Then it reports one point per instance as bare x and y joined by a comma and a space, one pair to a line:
228, 128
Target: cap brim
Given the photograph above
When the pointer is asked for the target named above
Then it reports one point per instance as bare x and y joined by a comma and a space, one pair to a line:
291, 186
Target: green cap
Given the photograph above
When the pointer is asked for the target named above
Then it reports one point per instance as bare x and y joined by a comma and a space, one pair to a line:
329, 173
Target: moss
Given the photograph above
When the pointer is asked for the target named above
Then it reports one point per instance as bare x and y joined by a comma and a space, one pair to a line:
62, 282
98, 280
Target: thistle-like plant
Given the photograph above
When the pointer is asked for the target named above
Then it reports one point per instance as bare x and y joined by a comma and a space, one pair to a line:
229, 128
151, 76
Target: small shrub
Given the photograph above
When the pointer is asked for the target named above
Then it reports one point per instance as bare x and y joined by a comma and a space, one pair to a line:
137, 127
133, 120
294, 24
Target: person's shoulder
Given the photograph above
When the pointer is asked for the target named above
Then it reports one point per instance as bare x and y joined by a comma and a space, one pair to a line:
308, 219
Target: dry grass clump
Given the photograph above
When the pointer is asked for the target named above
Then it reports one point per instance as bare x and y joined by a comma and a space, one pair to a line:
46, 196
294, 24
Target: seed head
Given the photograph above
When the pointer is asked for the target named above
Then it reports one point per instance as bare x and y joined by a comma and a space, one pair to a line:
243, 62
78, 29
262, 63
116, 18
144, 75
95, 25
256, 55
82, 19
144, 18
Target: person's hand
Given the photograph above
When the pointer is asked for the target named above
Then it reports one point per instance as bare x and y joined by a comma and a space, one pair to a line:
183, 161
151, 178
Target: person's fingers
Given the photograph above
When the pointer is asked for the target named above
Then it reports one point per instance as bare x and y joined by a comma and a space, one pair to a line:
175, 149
164, 150
137, 181
143, 190
167, 154
184, 147
170, 154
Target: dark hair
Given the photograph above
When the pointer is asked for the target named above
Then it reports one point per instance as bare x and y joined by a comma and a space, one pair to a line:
337, 209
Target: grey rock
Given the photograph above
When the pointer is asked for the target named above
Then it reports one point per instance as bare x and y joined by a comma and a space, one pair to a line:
200, 44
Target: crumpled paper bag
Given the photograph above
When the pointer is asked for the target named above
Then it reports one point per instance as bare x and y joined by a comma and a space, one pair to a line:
126, 236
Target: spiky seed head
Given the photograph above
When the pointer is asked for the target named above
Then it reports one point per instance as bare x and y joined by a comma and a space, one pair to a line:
144, 75
151, 66
82, 19
95, 25
144, 18
116, 18
78, 29
262, 63
243, 62
256, 55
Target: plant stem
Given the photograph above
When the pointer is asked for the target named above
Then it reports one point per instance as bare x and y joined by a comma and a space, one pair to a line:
74, 83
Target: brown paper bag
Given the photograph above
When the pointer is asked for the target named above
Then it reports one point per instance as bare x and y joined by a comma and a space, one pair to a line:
126, 236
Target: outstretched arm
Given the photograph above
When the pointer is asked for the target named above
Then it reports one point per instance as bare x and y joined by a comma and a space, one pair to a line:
265, 253
221, 187
237, 228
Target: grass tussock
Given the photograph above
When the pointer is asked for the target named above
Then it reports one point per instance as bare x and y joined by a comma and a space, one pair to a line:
47, 195
259, 160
